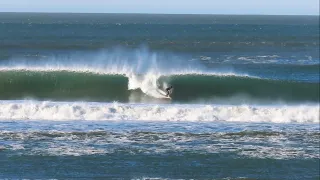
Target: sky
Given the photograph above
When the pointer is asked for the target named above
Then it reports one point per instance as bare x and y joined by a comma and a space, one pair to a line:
273, 7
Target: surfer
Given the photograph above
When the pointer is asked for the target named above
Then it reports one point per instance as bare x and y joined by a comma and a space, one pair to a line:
169, 90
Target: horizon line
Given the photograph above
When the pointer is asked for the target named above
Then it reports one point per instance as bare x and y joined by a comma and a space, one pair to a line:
240, 14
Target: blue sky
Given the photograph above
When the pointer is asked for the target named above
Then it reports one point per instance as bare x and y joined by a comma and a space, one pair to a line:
288, 7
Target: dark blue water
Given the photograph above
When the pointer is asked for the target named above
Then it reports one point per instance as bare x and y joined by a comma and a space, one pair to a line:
159, 150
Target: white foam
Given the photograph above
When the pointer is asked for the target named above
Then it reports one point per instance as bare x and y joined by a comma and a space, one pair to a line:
61, 111
147, 83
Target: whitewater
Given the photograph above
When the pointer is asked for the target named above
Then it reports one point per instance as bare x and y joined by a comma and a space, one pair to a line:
66, 111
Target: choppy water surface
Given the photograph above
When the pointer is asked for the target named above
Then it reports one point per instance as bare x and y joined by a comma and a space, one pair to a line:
159, 149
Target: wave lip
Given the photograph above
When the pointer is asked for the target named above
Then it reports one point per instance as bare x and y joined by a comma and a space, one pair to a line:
116, 70
61, 111
115, 61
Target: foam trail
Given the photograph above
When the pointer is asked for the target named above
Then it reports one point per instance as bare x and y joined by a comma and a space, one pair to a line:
44, 110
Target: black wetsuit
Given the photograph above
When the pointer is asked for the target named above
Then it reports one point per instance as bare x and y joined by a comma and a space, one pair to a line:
169, 90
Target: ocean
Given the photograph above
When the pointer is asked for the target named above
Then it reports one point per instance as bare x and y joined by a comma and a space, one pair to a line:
80, 96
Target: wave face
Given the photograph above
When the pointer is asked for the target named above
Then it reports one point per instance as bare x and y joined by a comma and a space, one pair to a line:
62, 85
39, 110
137, 75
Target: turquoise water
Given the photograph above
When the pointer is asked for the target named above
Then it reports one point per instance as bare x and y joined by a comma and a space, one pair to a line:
79, 96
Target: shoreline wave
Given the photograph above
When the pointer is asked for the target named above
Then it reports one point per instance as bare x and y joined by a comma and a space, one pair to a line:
66, 111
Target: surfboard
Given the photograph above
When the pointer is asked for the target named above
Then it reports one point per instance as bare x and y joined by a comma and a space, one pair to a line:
163, 94
166, 97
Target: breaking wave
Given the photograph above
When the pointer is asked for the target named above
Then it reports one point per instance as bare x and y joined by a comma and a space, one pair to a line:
137, 75
44, 110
